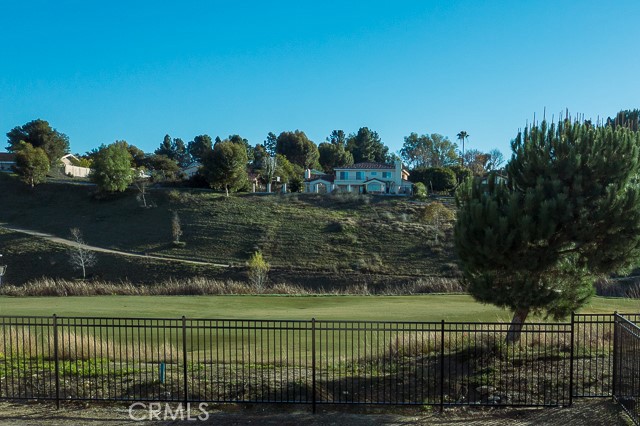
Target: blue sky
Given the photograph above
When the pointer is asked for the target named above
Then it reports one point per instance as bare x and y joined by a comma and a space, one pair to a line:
105, 71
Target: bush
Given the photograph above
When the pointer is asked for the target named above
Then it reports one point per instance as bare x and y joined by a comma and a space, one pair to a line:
420, 191
437, 179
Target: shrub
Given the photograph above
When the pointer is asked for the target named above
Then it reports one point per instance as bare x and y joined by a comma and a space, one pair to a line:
258, 272
420, 191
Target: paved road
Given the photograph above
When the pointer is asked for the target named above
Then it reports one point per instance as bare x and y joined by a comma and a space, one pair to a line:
70, 243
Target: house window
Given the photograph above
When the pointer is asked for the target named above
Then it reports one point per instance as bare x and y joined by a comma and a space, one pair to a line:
344, 175
386, 175
359, 175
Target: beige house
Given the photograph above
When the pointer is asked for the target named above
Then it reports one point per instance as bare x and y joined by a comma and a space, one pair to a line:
71, 170
364, 178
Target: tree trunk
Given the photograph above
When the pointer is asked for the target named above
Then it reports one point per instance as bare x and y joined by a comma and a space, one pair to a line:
515, 329
226, 188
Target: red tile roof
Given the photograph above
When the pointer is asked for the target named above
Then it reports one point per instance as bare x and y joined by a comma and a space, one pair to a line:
367, 166
6, 156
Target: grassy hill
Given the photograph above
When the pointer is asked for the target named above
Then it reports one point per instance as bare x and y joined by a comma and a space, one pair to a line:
308, 239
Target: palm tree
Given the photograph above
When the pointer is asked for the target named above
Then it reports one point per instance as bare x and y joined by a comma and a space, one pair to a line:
462, 136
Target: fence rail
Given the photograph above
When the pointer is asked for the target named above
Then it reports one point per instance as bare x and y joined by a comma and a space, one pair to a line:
307, 362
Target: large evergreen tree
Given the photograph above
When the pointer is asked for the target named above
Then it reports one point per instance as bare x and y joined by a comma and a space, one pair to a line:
270, 143
199, 146
569, 212
298, 149
166, 148
366, 146
225, 167
39, 134
333, 152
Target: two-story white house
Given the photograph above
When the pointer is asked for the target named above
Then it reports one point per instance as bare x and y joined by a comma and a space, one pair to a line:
369, 178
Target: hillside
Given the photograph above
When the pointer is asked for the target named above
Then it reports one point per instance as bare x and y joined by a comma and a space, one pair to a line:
308, 239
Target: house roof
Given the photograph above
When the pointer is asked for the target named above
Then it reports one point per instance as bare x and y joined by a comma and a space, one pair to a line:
326, 178
7, 156
374, 180
367, 166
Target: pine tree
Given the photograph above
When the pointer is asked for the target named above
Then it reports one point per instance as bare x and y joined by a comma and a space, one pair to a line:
569, 212
165, 148
225, 167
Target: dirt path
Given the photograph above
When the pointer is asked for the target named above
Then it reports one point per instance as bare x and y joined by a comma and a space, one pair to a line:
70, 243
583, 412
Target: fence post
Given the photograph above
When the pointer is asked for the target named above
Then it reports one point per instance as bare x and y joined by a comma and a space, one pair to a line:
184, 361
442, 366
55, 359
313, 364
614, 375
571, 356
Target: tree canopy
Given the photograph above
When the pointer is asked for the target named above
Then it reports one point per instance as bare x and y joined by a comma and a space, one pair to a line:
32, 164
432, 150
626, 118
39, 134
225, 167
176, 150
437, 179
162, 168
245, 143
112, 171
569, 212
476, 161
298, 149
366, 146
270, 143
332, 156
199, 146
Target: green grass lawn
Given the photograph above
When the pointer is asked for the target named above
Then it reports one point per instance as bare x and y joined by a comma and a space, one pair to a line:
393, 308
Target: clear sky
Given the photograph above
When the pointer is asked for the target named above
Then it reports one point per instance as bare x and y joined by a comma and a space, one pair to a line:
137, 70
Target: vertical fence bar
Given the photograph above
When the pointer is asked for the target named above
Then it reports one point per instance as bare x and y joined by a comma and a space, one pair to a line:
571, 356
55, 359
442, 366
313, 364
614, 374
184, 362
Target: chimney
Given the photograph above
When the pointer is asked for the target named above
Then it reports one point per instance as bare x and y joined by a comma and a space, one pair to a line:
307, 174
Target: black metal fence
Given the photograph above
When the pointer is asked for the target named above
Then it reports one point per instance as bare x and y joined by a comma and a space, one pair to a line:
308, 362
626, 366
